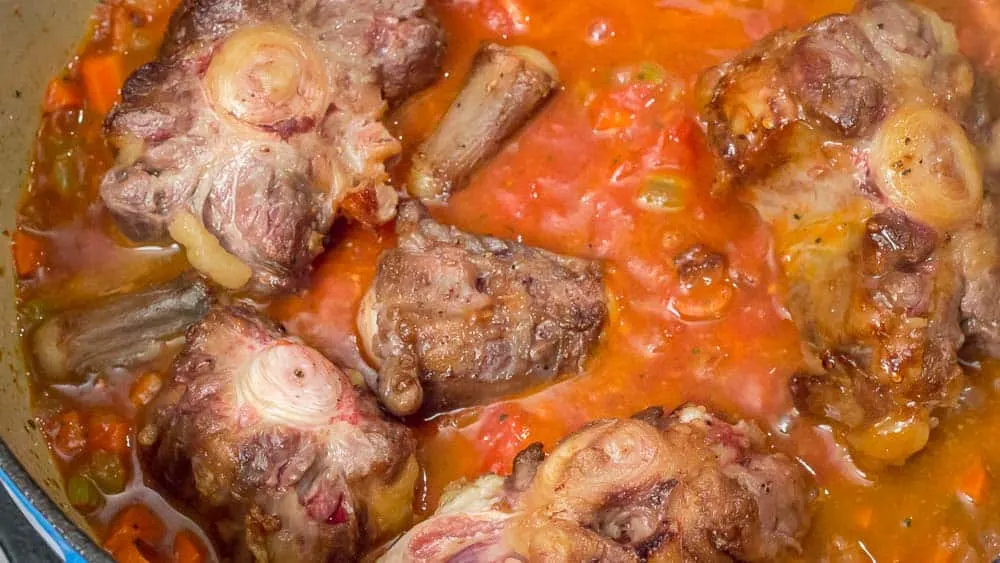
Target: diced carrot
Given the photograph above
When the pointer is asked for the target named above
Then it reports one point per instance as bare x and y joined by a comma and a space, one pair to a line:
29, 253
135, 523
863, 516
187, 548
62, 95
108, 471
103, 76
145, 388
69, 439
129, 553
107, 431
972, 481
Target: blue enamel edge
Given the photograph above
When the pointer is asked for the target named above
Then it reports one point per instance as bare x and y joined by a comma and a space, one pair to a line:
44, 528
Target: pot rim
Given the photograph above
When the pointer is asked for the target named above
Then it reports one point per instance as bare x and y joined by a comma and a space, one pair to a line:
68, 541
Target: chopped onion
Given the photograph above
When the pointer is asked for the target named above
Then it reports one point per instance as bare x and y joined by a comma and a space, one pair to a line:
83, 494
130, 150
368, 326
108, 472
662, 192
49, 352
651, 73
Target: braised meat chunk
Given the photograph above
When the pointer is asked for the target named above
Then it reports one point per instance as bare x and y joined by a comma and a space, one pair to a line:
258, 121
858, 140
122, 330
265, 433
686, 486
506, 86
454, 319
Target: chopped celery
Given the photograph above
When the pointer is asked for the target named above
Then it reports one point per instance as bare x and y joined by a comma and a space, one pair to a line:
65, 173
108, 471
651, 72
662, 192
82, 494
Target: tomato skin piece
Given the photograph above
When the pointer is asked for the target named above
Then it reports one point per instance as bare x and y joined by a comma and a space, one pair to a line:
863, 517
506, 17
504, 431
607, 114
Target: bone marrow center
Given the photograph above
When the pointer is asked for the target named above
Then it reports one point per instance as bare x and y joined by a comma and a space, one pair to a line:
266, 75
291, 384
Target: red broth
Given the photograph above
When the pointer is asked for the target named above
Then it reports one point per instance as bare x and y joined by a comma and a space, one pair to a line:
570, 182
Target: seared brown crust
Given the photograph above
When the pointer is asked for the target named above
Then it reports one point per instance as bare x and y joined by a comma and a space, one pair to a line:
853, 137
124, 330
456, 320
685, 486
841, 75
270, 436
504, 89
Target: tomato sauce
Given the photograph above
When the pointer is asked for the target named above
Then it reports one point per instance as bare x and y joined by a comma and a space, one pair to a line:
576, 180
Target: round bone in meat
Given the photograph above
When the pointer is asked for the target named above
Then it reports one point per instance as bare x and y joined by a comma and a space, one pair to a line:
686, 486
265, 121
273, 439
268, 75
926, 166
289, 384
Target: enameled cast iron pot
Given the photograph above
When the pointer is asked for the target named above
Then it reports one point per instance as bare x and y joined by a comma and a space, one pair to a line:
37, 38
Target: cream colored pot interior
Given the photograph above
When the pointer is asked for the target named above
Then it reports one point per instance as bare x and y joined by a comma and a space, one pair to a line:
37, 37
